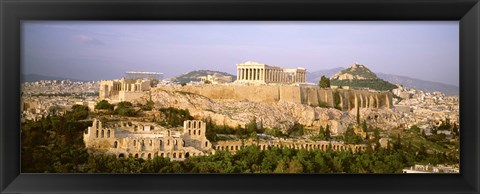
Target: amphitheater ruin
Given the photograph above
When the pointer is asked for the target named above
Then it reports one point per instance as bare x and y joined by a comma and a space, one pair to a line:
147, 140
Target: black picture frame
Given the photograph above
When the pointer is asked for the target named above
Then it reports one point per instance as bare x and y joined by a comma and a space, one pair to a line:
14, 11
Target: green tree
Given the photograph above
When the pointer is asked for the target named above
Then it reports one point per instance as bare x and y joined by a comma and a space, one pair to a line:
358, 116
77, 112
104, 105
125, 109
148, 106
415, 128
328, 132
324, 82
336, 99
364, 126
296, 130
350, 137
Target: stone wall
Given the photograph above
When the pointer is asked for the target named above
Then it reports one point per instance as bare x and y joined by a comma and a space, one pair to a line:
235, 145
309, 95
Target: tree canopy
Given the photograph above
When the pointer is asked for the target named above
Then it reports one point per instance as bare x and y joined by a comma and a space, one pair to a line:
324, 82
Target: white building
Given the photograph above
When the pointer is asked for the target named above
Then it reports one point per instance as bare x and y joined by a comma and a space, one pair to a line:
258, 73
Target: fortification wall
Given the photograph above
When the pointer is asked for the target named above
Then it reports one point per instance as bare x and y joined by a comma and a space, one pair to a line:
309, 95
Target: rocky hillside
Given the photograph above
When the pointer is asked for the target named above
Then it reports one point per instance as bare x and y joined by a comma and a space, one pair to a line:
359, 76
281, 115
196, 75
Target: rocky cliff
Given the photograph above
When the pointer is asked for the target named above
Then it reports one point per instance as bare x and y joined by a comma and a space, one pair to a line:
281, 114
308, 94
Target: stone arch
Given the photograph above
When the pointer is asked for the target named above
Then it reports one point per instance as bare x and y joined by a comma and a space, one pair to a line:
130, 155
187, 155
174, 155
179, 155
236, 147
194, 124
96, 134
134, 143
162, 154
194, 132
108, 133
115, 144
149, 156
121, 155
102, 134
136, 155
206, 143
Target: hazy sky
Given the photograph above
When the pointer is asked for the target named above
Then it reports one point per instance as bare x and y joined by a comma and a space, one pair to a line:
105, 50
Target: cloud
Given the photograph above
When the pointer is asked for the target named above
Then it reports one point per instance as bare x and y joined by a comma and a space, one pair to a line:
85, 39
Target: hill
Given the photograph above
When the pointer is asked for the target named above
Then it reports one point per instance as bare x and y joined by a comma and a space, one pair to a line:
359, 76
424, 85
197, 74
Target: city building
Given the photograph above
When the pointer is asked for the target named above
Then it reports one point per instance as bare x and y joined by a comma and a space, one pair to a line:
418, 168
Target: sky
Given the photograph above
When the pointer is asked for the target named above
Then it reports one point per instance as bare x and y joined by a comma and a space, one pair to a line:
96, 50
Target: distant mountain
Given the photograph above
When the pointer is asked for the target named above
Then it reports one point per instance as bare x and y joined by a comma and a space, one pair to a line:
37, 77
427, 86
196, 75
314, 77
359, 76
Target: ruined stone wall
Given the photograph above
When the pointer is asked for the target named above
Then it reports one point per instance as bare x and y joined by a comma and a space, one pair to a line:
236, 145
309, 95
133, 142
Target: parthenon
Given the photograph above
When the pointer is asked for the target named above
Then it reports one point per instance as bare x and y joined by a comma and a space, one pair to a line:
253, 72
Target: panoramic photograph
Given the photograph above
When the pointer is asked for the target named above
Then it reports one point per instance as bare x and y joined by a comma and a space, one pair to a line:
240, 97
